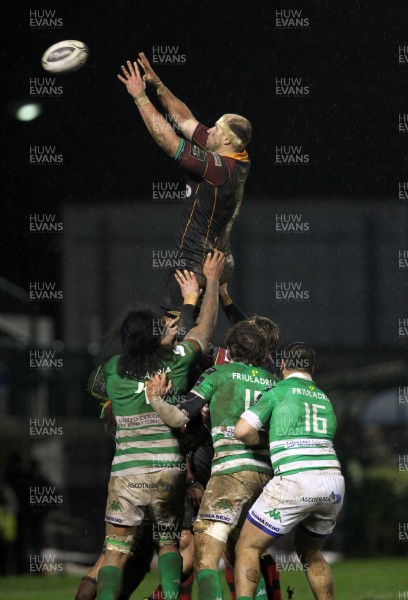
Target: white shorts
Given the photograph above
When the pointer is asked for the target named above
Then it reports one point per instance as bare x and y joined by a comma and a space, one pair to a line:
312, 498
161, 494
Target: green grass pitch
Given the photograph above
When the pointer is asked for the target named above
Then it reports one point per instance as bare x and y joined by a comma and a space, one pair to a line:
369, 579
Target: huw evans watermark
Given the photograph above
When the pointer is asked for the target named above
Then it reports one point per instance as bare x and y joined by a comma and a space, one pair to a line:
45, 223
45, 428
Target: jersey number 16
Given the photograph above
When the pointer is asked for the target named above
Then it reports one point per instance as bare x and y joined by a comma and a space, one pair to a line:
319, 424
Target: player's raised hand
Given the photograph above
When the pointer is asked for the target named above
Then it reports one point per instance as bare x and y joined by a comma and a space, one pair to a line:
132, 79
157, 387
171, 330
149, 76
213, 266
187, 282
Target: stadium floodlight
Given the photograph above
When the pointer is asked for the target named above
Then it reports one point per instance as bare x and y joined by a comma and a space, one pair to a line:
28, 112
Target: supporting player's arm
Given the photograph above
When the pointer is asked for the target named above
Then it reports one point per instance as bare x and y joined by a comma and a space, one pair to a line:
172, 415
190, 290
253, 420
156, 390
175, 108
212, 268
246, 432
160, 130
233, 313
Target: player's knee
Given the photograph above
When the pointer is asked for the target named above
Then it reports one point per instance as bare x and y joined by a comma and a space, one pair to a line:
307, 548
185, 539
117, 548
215, 529
209, 540
230, 545
202, 558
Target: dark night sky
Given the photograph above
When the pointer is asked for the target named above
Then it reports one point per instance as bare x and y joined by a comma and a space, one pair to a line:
348, 56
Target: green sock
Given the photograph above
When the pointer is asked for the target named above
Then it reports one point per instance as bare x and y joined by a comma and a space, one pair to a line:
209, 585
170, 565
260, 593
109, 583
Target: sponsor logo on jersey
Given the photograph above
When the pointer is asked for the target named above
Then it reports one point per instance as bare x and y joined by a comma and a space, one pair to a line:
138, 420
197, 152
115, 506
310, 392
252, 379
158, 372
226, 430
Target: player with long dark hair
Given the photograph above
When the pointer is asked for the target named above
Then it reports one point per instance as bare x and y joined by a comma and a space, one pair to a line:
148, 470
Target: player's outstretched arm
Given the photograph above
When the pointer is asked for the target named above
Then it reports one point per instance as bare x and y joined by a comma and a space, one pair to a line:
175, 108
212, 270
233, 313
158, 127
190, 290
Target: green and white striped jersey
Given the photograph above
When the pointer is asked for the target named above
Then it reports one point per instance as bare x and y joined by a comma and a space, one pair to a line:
144, 444
230, 389
301, 425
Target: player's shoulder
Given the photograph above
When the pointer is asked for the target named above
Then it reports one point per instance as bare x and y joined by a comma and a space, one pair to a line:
237, 161
295, 386
212, 371
272, 391
284, 384
186, 348
111, 365
300, 382
208, 375
223, 370
266, 377
200, 135
97, 384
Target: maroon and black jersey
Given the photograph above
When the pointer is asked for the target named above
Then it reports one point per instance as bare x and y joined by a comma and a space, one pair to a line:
215, 189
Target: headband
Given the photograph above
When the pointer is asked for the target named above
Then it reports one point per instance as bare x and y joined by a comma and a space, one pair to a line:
229, 134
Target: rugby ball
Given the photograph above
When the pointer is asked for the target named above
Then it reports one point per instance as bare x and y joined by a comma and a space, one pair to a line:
64, 57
